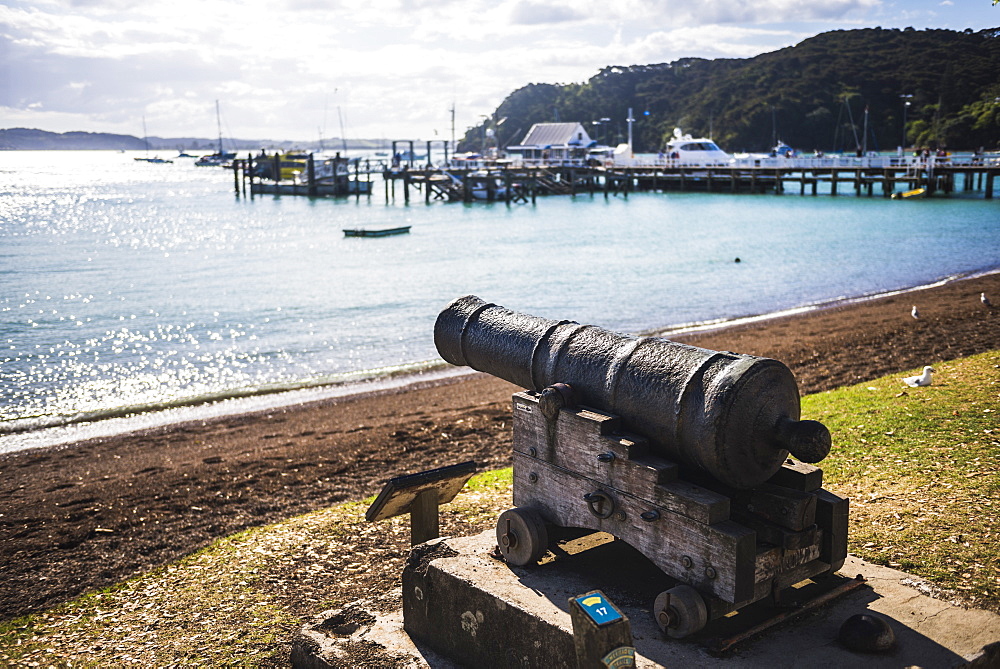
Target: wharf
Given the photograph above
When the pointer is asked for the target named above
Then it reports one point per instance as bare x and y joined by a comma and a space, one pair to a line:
497, 181
519, 183
330, 177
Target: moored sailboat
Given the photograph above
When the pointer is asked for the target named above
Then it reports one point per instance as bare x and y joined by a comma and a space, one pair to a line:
220, 158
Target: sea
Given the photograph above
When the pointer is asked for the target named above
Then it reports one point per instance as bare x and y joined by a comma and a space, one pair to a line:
136, 294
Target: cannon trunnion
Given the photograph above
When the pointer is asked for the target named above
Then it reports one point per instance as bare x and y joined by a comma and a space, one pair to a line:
679, 451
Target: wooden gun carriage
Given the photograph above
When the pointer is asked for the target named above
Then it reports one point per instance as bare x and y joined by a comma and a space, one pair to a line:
681, 452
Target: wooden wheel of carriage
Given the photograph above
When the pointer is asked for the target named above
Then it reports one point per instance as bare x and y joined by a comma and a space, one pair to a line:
680, 611
521, 536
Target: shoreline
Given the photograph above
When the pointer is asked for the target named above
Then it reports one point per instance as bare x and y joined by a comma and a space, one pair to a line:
93, 513
76, 430
711, 326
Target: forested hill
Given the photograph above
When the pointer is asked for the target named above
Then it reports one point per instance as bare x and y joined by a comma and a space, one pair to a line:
812, 96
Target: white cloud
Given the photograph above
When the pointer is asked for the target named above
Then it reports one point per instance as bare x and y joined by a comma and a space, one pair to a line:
529, 13
387, 68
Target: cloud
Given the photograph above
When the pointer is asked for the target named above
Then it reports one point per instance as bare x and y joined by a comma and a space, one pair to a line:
388, 68
536, 13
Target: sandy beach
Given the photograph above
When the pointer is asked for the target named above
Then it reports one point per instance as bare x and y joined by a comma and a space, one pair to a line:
82, 516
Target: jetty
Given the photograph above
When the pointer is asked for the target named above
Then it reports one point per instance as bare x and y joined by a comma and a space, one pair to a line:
868, 176
315, 177
523, 180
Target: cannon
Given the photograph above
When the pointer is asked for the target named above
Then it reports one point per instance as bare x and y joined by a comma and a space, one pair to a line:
735, 417
680, 451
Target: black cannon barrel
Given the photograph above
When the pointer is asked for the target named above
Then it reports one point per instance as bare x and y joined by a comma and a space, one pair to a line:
733, 416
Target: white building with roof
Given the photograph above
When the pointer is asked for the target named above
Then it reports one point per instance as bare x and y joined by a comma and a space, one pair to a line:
554, 142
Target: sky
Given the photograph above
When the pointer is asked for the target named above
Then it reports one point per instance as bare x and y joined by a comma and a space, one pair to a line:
303, 70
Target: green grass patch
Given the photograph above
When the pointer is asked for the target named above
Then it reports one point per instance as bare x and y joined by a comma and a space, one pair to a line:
920, 467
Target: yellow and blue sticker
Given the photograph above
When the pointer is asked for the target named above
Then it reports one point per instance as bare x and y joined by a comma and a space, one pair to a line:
598, 608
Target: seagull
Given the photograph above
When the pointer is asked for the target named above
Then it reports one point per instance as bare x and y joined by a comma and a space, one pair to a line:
985, 300
914, 312
921, 380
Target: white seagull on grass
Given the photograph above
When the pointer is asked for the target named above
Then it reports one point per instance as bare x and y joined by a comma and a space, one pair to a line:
920, 380
914, 312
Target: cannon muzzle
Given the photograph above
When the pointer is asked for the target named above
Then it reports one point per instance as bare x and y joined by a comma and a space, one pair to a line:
733, 416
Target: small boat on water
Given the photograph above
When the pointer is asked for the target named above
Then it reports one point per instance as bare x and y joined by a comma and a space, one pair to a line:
906, 195
145, 139
224, 159
384, 232
220, 158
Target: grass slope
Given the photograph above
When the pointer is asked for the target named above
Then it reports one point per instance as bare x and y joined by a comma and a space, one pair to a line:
920, 466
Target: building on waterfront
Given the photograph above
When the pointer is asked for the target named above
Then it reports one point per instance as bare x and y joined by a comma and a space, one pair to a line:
553, 142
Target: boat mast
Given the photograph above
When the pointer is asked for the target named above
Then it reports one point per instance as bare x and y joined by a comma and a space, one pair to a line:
218, 122
343, 138
864, 140
630, 121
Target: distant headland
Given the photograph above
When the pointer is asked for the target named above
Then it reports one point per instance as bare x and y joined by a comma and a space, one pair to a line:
31, 139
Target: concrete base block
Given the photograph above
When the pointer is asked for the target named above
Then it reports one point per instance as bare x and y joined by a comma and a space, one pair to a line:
464, 607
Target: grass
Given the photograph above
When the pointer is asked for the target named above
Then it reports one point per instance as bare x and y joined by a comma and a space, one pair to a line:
920, 467
918, 463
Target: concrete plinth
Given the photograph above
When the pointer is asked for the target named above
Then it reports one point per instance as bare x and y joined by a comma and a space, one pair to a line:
461, 603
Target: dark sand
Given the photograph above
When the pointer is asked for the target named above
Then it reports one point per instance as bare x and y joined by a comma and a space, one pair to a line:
79, 517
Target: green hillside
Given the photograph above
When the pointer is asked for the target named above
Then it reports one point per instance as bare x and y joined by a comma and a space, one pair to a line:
812, 95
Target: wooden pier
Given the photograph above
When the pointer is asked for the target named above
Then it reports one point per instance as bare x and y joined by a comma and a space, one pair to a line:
262, 175
513, 183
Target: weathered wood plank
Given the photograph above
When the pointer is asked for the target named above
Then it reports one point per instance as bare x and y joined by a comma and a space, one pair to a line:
800, 573
424, 524
716, 559
772, 562
692, 501
832, 517
577, 436
775, 534
585, 441
789, 508
799, 476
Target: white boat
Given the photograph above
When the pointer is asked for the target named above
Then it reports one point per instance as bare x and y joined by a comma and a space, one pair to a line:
684, 149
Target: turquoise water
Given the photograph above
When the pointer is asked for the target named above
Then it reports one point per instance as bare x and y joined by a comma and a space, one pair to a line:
132, 286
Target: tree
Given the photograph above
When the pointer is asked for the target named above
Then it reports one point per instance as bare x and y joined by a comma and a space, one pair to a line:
796, 93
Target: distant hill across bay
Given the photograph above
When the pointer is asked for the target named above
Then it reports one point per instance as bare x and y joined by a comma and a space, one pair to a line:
30, 139
836, 91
